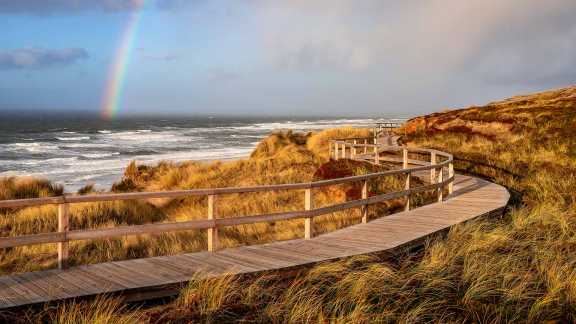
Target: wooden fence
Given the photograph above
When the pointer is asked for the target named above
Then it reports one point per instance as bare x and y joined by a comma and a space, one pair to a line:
358, 148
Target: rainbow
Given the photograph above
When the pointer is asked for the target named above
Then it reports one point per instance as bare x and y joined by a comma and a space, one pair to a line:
117, 73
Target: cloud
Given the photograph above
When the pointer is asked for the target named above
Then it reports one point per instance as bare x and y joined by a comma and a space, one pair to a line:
484, 39
37, 58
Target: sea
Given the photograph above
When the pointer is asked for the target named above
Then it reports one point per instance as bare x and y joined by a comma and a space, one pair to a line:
78, 150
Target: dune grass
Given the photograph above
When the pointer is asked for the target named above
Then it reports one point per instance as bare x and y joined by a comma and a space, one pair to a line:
283, 157
518, 268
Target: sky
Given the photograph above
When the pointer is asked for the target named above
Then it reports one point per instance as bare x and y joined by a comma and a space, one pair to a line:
379, 58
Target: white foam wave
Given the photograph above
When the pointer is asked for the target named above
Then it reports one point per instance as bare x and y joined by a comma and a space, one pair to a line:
147, 137
86, 145
33, 147
99, 155
104, 131
79, 138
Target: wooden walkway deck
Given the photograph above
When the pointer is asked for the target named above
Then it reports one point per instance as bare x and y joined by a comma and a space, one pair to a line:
472, 198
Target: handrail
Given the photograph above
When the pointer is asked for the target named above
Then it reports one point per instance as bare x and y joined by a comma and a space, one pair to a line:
338, 149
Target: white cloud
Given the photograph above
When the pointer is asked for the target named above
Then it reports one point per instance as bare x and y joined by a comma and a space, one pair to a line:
484, 38
35, 58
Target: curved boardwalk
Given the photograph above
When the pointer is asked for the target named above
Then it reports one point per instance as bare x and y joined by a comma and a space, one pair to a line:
471, 198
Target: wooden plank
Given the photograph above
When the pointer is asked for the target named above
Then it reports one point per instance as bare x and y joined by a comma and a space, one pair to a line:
203, 263
19, 292
98, 274
290, 256
50, 284
31, 239
274, 261
139, 229
126, 278
87, 283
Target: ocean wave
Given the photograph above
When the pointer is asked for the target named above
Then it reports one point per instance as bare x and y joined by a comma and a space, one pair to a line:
79, 138
34, 147
86, 145
242, 136
159, 137
58, 160
99, 155
61, 159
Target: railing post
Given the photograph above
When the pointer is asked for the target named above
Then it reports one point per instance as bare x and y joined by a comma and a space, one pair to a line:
213, 231
330, 155
450, 176
354, 150
364, 208
366, 146
308, 221
433, 170
376, 155
63, 227
335, 150
441, 187
404, 158
407, 187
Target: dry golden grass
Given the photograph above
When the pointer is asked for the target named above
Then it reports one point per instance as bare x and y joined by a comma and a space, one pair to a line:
281, 158
518, 268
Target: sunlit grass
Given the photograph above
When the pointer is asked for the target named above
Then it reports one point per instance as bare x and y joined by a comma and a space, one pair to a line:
517, 268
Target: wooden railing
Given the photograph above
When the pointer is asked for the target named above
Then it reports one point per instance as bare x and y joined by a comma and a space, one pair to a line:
382, 128
359, 149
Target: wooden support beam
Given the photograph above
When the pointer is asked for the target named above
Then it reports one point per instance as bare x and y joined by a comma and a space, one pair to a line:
336, 151
450, 176
407, 187
441, 188
364, 208
433, 170
404, 158
213, 241
63, 227
365, 147
308, 222
354, 149
376, 155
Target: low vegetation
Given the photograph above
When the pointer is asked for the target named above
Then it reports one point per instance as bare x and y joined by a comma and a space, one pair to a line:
283, 157
518, 268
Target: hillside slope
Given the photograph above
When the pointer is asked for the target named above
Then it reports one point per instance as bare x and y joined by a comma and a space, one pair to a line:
517, 268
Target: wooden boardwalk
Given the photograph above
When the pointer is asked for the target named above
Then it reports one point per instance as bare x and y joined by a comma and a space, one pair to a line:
472, 197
